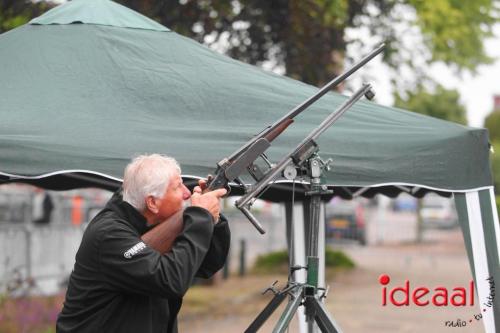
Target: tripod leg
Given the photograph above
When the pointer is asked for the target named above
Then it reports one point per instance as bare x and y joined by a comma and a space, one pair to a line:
266, 313
323, 318
289, 312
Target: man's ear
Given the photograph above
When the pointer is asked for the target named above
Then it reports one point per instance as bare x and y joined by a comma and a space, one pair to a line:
151, 204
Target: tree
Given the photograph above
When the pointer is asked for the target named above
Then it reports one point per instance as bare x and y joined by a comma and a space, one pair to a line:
308, 38
14, 13
492, 123
495, 164
442, 103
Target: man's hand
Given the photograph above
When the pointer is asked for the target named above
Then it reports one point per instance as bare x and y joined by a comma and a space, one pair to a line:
208, 200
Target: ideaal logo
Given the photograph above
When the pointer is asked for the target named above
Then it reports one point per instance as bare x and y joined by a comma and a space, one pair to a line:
439, 296
486, 306
423, 296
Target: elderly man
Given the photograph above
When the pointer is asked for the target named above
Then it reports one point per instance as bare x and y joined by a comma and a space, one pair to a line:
121, 282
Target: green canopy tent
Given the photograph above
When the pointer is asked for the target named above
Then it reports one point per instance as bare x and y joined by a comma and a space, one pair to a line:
91, 83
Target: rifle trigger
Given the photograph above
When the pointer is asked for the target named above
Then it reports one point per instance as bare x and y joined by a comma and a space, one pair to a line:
266, 159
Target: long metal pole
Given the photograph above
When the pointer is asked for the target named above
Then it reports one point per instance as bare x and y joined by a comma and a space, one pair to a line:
289, 312
314, 219
336, 115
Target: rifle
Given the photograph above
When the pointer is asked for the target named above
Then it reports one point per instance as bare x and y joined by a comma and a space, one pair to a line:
230, 169
162, 237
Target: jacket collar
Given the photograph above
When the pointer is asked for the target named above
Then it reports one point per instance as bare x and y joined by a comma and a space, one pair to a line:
127, 212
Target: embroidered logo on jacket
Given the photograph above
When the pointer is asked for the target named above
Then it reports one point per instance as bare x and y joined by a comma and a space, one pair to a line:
134, 250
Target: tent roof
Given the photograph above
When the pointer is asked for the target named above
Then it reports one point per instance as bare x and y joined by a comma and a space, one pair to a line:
102, 12
88, 97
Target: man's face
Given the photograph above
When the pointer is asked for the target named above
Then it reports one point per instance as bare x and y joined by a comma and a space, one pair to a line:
173, 199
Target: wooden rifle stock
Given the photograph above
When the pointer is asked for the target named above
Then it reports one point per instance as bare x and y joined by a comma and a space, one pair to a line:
278, 129
162, 236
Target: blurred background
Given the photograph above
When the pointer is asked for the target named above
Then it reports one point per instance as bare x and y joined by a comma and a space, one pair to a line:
407, 238
441, 60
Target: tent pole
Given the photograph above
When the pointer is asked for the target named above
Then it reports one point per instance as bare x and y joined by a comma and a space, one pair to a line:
479, 222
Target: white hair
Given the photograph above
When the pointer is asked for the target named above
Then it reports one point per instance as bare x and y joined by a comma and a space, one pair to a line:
148, 175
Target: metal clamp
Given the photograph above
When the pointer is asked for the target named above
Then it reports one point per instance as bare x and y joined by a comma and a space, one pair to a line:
271, 289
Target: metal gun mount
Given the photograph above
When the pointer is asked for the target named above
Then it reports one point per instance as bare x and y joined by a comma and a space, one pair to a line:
302, 160
294, 161
243, 160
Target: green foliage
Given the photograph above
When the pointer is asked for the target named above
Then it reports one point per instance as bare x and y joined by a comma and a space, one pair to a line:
272, 262
302, 36
277, 262
495, 164
454, 30
29, 314
334, 259
492, 123
50, 330
8, 23
308, 38
442, 103
14, 13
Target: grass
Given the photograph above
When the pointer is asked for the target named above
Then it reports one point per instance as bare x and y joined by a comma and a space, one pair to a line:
277, 262
36, 314
243, 295
235, 295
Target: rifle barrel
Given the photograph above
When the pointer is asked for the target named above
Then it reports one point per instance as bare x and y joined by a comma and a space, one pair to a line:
333, 117
304, 105
333, 83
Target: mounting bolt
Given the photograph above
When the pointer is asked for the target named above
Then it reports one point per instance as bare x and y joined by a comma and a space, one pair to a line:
290, 172
370, 94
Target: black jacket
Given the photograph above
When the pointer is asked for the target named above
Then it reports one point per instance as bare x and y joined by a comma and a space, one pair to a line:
119, 284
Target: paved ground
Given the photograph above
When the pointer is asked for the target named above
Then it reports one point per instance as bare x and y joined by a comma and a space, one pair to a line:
441, 261
355, 297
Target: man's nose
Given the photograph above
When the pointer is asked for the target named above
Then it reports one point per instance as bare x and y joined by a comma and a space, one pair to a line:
187, 194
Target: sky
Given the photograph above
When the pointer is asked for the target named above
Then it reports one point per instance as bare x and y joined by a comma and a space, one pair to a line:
476, 91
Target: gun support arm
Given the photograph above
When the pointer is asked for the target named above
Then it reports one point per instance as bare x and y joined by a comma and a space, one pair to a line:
252, 219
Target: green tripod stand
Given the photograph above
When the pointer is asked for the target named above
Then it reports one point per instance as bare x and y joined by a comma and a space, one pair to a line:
306, 294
